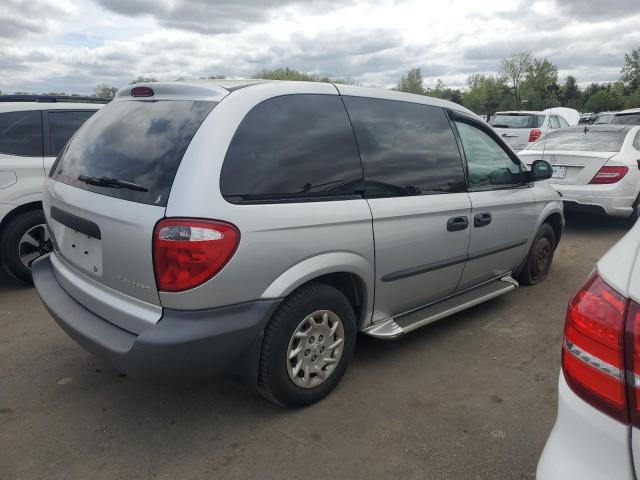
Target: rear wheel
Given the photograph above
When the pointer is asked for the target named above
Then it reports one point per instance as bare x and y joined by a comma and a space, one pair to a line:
25, 238
307, 347
538, 261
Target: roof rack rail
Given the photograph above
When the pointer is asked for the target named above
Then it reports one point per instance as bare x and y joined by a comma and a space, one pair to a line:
53, 99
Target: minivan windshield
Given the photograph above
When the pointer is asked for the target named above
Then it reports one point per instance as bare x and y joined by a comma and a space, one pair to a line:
135, 142
516, 120
588, 140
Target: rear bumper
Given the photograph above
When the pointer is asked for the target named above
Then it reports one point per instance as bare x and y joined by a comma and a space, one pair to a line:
615, 200
585, 443
182, 345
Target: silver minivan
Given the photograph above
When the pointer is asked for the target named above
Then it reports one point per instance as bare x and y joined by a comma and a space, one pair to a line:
254, 228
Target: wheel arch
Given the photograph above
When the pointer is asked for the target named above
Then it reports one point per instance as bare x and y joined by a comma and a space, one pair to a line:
25, 207
345, 271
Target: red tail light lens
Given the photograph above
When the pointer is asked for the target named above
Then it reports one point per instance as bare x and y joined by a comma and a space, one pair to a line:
609, 175
593, 351
534, 134
633, 362
142, 92
188, 252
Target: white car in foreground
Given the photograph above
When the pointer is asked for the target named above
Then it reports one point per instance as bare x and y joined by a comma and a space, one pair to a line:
520, 128
597, 431
595, 167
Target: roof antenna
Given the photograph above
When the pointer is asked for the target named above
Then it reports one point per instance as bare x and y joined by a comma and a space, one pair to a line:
585, 129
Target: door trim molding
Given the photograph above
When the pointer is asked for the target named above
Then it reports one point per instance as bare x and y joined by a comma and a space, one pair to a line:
449, 262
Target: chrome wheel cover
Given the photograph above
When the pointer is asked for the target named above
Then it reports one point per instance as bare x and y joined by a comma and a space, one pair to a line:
315, 349
33, 244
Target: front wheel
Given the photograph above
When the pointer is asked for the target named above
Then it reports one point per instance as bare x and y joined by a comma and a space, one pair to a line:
25, 238
538, 261
307, 347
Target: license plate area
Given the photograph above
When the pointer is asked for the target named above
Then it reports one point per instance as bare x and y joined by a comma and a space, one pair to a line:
559, 171
81, 250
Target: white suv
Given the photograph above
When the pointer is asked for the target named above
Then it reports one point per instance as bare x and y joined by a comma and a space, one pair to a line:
32, 133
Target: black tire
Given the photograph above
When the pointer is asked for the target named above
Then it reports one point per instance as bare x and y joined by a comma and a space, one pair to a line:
274, 382
538, 262
633, 218
10, 242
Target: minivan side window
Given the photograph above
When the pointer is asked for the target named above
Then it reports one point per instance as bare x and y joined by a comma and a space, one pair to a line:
62, 126
293, 148
21, 133
406, 148
488, 165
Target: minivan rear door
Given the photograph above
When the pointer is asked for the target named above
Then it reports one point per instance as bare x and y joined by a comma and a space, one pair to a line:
107, 191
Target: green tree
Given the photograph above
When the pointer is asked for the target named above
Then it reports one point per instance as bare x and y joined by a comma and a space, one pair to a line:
630, 72
603, 100
291, 74
484, 93
412, 82
514, 70
143, 79
570, 93
104, 91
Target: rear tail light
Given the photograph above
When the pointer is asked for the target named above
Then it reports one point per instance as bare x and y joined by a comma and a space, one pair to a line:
601, 352
609, 174
633, 362
187, 253
593, 350
534, 134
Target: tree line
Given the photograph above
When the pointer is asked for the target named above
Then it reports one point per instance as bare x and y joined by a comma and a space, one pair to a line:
527, 82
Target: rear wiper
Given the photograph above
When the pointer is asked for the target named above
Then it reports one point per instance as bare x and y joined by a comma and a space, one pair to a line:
111, 183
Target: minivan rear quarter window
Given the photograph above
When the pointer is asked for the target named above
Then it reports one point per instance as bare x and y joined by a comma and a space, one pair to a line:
21, 133
406, 148
136, 141
293, 148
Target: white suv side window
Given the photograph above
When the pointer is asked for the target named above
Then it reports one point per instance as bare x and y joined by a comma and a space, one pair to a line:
553, 122
489, 166
636, 142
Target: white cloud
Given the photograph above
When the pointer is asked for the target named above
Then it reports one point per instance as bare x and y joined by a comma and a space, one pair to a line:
72, 47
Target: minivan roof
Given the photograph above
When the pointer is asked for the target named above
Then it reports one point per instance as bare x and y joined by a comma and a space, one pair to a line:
605, 127
217, 89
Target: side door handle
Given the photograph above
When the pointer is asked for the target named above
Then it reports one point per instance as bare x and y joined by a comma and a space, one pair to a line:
481, 219
457, 223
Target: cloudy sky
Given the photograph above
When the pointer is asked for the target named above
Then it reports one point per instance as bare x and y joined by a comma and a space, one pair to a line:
71, 45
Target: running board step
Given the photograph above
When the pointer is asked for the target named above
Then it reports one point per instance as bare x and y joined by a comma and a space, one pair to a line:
396, 327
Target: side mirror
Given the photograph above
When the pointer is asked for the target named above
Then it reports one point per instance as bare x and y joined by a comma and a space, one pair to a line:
540, 170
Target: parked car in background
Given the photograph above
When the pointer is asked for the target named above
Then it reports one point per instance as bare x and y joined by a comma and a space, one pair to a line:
587, 118
627, 117
520, 128
595, 167
32, 133
597, 432
604, 118
237, 235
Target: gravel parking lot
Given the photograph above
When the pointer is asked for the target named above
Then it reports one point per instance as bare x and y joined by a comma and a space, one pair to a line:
473, 396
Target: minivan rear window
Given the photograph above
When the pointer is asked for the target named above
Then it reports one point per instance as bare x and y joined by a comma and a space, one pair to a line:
588, 140
140, 142
516, 120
